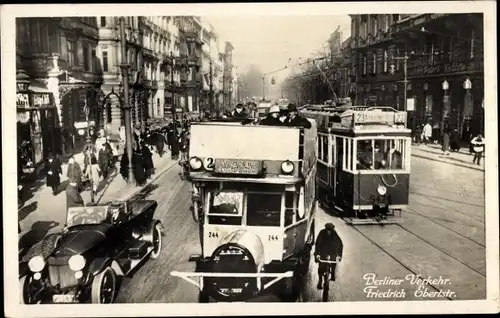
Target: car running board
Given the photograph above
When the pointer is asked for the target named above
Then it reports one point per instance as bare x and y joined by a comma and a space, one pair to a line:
135, 262
187, 277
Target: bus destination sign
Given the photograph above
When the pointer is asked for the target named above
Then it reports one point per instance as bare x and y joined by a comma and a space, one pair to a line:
234, 166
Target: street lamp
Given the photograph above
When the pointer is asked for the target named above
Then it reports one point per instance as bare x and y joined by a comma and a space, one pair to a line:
445, 86
405, 71
175, 141
467, 102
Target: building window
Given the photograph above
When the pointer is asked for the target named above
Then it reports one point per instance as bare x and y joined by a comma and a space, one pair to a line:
375, 25
364, 65
105, 61
103, 21
86, 57
386, 23
385, 61
374, 62
395, 17
71, 53
94, 59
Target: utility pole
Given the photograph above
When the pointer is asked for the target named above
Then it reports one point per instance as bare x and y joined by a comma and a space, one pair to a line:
405, 71
264, 87
175, 142
211, 89
126, 107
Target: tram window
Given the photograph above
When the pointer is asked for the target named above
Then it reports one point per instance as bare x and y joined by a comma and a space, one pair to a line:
289, 207
263, 209
324, 149
319, 146
226, 207
380, 154
340, 152
349, 155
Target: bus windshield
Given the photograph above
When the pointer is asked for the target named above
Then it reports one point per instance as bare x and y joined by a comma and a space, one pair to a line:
381, 154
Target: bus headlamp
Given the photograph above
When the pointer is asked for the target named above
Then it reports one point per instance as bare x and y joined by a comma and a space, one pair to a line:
287, 166
36, 264
195, 163
76, 263
381, 190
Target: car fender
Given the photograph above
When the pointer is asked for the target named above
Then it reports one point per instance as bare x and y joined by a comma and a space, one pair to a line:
98, 265
148, 233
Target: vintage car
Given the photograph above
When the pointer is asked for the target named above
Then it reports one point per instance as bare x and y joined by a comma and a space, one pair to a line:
98, 244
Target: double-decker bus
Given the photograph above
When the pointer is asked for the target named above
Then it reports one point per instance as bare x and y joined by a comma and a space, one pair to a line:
254, 197
363, 168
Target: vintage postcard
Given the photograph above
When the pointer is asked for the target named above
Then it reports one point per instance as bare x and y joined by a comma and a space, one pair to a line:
200, 159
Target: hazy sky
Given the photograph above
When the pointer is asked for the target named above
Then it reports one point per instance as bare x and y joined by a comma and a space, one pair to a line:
269, 41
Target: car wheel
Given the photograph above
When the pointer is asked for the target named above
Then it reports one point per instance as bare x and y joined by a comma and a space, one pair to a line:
104, 287
156, 241
25, 291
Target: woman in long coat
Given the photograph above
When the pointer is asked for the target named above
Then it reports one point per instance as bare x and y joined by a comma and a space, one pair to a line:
104, 159
139, 172
124, 165
160, 142
455, 140
54, 171
446, 141
147, 160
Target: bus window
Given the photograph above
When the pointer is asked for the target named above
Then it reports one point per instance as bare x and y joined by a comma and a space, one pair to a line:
263, 209
226, 207
289, 207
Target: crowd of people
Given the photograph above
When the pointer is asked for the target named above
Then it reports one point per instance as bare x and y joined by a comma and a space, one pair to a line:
450, 140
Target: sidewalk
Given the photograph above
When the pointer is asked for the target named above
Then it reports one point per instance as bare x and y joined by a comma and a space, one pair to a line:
433, 152
45, 213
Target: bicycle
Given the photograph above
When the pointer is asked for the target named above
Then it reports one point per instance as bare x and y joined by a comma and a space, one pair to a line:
326, 275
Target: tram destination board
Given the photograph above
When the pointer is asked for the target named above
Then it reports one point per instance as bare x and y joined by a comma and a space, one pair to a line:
235, 166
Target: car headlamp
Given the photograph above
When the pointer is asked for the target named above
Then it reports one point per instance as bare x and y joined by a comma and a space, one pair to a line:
287, 166
195, 163
36, 263
76, 262
381, 190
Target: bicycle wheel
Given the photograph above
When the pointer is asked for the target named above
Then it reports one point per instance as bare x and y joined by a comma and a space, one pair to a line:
326, 286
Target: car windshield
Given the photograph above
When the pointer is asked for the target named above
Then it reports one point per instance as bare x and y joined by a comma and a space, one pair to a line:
86, 215
380, 154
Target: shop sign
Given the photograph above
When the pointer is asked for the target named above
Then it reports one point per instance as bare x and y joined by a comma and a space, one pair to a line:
22, 100
410, 104
41, 99
448, 68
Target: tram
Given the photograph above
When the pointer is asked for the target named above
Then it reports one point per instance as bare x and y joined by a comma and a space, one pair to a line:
363, 168
254, 199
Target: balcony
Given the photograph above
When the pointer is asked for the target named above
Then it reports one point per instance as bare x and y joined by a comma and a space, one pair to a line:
148, 52
154, 84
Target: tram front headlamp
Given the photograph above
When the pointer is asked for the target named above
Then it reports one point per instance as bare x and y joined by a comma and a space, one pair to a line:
195, 163
287, 167
36, 264
381, 190
76, 263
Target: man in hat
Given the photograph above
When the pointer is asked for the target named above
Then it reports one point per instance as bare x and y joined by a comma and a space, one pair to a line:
239, 111
328, 244
272, 118
294, 119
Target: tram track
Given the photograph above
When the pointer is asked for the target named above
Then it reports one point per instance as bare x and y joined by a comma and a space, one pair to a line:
434, 287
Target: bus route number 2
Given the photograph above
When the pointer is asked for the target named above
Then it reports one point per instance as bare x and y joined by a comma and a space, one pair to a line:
213, 234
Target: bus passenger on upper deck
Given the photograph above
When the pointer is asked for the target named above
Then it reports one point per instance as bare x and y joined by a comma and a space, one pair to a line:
272, 118
239, 111
294, 119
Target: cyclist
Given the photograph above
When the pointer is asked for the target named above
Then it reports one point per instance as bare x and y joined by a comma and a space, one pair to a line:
328, 243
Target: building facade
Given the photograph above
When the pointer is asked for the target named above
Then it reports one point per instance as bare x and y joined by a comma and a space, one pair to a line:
58, 58
228, 76
445, 68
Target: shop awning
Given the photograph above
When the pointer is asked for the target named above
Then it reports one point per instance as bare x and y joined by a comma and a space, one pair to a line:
38, 87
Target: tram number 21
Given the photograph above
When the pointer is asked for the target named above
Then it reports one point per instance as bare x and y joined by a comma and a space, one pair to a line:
213, 234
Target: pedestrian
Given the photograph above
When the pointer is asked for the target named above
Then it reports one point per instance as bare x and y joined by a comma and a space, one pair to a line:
427, 133
103, 160
294, 119
91, 167
455, 140
54, 171
436, 134
147, 159
138, 166
418, 135
112, 155
160, 142
446, 141
74, 172
239, 111
478, 146
73, 196
272, 118
124, 165
184, 143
